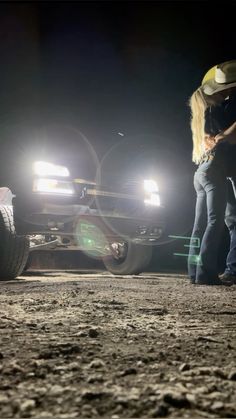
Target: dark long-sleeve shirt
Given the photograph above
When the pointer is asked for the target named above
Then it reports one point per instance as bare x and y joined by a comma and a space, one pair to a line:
221, 116
217, 119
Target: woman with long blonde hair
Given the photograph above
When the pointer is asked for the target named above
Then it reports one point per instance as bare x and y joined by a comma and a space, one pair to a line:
198, 106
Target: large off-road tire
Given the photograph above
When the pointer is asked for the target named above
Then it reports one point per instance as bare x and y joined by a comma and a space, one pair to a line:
14, 249
133, 259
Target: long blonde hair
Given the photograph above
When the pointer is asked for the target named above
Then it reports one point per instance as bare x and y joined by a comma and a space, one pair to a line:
198, 106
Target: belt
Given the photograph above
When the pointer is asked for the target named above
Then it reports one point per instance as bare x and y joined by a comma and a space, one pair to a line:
208, 156
206, 159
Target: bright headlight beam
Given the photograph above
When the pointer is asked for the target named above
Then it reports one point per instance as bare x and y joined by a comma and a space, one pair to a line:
154, 200
151, 190
42, 168
52, 186
150, 186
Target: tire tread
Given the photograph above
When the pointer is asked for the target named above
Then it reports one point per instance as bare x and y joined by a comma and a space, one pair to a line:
14, 249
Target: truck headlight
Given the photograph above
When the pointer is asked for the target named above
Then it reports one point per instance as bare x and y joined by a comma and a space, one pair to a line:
53, 186
150, 186
42, 168
151, 190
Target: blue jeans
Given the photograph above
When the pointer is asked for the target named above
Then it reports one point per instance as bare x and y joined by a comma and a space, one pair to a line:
210, 184
230, 220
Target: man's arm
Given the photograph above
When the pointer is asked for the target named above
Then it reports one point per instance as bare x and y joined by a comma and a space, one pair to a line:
229, 134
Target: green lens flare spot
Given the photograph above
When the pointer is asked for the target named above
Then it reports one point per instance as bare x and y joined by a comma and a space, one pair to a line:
91, 239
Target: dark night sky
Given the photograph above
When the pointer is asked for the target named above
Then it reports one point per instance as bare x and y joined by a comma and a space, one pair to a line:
101, 68
107, 67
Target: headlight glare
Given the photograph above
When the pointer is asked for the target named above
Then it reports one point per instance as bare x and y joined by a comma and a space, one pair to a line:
150, 186
153, 200
53, 186
151, 190
41, 168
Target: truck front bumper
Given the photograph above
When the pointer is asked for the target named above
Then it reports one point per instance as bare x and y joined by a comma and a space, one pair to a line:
61, 215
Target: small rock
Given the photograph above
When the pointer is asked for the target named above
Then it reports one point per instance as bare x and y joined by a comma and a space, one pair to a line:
73, 366
81, 334
176, 399
41, 391
93, 333
45, 415
219, 373
35, 363
30, 374
56, 390
128, 371
98, 378
205, 370
191, 398
140, 364
217, 405
184, 367
201, 390
3, 399
28, 300
160, 412
91, 395
232, 375
96, 363
87, 411
31, 324
214, 395
27, 405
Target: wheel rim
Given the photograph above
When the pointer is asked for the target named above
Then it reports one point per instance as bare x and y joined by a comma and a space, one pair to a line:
119, 251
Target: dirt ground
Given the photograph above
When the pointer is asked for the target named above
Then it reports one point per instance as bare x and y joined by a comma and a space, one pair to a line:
88, 344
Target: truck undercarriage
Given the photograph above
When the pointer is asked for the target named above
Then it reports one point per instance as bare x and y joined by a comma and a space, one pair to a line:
61, 213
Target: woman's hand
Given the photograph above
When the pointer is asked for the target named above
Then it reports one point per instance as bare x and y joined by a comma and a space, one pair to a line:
209, 142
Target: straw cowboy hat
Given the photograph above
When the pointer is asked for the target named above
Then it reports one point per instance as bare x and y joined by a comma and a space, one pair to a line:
220, 77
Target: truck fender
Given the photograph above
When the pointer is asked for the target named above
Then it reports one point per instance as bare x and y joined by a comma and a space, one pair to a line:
6, 196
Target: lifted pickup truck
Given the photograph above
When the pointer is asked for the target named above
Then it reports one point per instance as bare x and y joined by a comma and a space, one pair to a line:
51, 210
